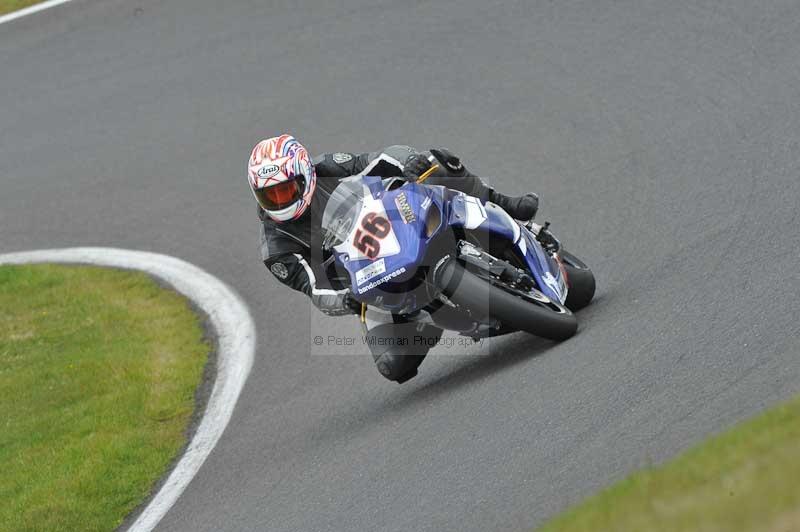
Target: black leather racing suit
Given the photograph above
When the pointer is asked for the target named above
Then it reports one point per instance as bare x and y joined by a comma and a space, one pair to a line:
286, 246
290, 251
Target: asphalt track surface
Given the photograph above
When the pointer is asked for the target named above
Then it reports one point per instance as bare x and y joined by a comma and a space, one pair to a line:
663, 138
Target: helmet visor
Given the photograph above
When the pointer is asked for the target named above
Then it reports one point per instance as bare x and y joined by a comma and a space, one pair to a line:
279, 196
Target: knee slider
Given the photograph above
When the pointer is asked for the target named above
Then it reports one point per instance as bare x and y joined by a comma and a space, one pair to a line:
399, 348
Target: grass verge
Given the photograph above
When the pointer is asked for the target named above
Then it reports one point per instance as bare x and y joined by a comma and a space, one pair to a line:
745, 479
7, 6
98, 371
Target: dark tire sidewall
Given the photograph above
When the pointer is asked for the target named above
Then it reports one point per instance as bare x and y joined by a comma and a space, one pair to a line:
472, 292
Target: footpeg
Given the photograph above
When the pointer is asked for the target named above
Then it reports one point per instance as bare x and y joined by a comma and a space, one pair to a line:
546, 238
499, 268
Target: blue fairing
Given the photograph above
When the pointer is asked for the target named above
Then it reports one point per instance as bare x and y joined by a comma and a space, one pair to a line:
407, 209
546, 271
409, 230
467, 212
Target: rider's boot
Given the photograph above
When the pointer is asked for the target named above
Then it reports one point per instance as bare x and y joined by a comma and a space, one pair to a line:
520, 207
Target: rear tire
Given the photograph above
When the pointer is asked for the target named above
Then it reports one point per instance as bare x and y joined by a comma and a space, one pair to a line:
483, 298
580, 279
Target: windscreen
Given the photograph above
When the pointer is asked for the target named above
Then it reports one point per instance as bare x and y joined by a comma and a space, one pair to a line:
341, 211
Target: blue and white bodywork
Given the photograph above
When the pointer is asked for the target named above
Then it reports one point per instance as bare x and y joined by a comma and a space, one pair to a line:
382, 237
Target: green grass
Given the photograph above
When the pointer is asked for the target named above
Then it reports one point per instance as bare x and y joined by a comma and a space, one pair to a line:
98, 370
747, 479
7, 6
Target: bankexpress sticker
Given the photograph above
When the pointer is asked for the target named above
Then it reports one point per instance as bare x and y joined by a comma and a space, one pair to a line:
368, 272
386, 278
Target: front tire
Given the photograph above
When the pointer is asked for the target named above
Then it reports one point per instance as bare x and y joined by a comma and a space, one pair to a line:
487, 298
580, 280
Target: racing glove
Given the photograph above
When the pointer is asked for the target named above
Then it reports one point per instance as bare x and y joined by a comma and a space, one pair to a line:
449, 164
416, 165
450, 161
336, 302
294, 271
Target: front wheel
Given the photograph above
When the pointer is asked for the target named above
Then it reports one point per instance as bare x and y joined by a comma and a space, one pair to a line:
525, 311
580, 279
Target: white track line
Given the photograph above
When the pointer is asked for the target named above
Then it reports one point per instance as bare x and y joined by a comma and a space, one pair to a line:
31, 10
236, 337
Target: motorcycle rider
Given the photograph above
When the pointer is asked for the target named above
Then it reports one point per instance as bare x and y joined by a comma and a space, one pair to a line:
292, 190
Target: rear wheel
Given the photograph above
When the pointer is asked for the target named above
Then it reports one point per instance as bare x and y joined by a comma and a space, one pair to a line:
483, 296
580, 279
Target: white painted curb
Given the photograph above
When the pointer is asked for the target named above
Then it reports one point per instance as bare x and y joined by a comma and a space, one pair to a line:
236, 337
31, 10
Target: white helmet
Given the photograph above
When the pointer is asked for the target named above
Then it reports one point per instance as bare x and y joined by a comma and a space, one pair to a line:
281, 177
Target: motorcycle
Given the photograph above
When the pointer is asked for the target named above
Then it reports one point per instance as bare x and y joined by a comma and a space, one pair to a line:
437, 256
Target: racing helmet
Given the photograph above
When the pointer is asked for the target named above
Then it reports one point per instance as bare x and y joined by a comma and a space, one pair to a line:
282, 177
